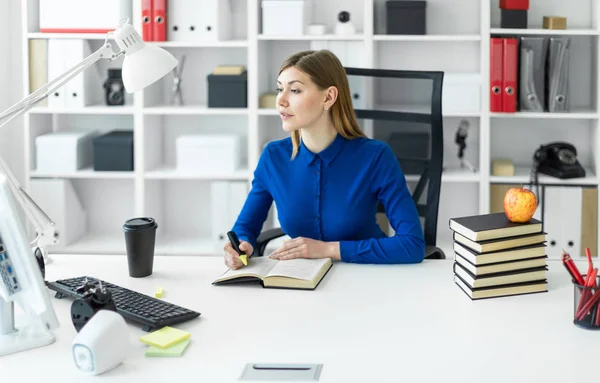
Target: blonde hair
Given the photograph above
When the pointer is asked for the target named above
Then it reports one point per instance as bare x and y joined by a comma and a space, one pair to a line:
325, 70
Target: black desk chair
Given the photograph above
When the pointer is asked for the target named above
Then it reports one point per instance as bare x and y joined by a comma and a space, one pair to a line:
430, 165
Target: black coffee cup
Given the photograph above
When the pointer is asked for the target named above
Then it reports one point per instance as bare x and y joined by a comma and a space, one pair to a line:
140, 238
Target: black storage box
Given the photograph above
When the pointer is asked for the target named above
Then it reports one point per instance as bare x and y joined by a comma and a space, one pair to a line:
228, 91
513, 18
113, 151
405, 17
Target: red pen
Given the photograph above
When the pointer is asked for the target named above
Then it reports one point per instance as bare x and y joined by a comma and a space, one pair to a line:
572, 268
586, 301
597, 323
588, 305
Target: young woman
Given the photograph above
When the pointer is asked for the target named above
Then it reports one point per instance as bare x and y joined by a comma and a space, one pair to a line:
328, 177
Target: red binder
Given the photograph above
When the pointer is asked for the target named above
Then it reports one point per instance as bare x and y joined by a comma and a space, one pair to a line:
496, 74
159, 20
509, 81
514, 4
147, 20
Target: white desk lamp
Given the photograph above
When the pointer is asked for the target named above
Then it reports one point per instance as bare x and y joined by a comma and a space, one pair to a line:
143, 65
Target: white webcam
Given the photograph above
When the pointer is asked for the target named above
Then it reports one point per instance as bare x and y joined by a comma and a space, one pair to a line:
102, 344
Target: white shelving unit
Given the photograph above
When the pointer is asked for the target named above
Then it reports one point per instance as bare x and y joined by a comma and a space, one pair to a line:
457, 42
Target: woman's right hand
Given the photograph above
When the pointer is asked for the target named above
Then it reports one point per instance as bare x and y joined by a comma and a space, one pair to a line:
232, 258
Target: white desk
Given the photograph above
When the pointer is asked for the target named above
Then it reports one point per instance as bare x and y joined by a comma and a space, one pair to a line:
365, 323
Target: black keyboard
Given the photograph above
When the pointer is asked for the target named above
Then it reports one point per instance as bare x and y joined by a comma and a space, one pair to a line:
151, 312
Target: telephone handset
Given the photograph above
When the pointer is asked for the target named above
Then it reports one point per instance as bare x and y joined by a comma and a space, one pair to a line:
556, 159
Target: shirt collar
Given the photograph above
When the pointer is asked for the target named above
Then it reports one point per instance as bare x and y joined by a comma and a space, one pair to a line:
327, 155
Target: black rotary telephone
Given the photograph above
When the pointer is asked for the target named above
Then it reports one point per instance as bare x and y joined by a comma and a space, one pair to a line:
556, 159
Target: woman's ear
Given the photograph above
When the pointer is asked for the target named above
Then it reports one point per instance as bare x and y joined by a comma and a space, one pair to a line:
331, 95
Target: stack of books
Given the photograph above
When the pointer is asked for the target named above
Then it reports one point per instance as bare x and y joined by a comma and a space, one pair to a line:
494, 257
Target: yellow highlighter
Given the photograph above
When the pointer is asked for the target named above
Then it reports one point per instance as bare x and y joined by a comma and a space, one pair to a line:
235, 242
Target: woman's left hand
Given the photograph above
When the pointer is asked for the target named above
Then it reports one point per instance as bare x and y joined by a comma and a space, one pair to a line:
302, 247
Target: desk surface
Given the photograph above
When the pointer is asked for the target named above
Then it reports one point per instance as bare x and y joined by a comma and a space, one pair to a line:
367, 323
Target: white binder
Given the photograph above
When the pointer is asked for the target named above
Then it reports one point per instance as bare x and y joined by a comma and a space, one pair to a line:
350, 55
56, 67
193, 20
238, 191
220, 213
85, 88
58, 199
562, 220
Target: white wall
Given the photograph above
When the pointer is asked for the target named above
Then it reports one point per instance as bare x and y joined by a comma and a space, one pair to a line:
11, 136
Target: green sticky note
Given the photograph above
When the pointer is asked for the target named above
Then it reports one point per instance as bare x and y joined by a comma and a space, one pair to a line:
175, 350
165, 337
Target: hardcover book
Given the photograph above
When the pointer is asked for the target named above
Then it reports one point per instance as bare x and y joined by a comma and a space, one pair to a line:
492, 226
300, 273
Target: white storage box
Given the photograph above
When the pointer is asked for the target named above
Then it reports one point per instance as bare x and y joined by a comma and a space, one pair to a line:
66, 151
461, 93
209, 153
193, 20
285, 17
82, 16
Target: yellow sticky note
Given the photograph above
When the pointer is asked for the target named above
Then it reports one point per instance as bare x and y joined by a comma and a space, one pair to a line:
158, 293
175, 350
165, 337
244, 259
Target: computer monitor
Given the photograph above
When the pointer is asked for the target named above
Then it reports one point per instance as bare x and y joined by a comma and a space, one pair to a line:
21, 283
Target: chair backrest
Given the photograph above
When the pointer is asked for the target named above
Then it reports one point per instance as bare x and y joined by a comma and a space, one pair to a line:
410, 121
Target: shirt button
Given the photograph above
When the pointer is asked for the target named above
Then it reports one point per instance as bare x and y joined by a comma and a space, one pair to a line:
318, 172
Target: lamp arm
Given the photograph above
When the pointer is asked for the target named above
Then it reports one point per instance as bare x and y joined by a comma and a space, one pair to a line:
28, 102
44, 226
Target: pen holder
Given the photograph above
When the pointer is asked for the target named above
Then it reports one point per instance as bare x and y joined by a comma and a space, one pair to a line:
586, 305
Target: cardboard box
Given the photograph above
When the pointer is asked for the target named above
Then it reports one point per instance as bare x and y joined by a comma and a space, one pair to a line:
554, 22
503, 167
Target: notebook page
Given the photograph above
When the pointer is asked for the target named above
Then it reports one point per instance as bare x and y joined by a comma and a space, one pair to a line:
256, 265
300, 268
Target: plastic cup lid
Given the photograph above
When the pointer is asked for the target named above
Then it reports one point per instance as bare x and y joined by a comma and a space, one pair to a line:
141, 223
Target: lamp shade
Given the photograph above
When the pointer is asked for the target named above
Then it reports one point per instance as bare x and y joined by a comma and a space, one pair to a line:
143, 64
146, 66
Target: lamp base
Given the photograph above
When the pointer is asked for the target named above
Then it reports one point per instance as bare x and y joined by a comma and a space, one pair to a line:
24, 339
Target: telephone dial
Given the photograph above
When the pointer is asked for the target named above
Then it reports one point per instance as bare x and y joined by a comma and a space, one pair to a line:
556, 159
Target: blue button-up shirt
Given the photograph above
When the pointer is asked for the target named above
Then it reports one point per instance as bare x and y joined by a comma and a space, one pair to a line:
333, 196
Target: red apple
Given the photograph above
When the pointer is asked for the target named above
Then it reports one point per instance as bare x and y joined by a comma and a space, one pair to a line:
519, 204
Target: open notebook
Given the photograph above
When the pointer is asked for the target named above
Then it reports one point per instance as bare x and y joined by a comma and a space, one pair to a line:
298, 273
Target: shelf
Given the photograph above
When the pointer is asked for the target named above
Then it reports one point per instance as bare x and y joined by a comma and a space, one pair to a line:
522, 177
193, 110
423, 109
85, 36
426, 38
200, 44
86, 173
451, 175
165, 172
313, 38
575, 114
268, 112
176, 244
557, 32
90, 110
93, 243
